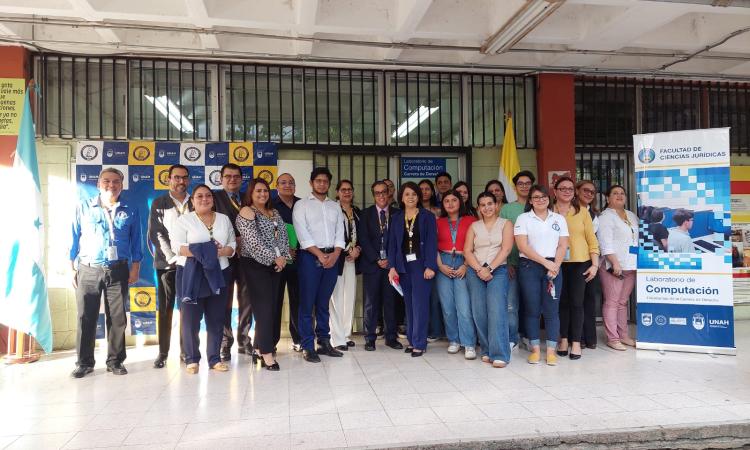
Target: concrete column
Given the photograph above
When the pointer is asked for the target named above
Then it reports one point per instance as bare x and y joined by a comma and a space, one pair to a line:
555, 109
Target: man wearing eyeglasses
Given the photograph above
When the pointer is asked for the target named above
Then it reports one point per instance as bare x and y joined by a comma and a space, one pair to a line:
165, 210
679, 240
228, 200
522, 183
284, 204
379, 295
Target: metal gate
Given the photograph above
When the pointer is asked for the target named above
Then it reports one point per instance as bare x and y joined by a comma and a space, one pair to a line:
362, 166
605, 168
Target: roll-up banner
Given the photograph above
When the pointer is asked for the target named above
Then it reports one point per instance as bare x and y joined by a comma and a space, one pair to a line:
685, 298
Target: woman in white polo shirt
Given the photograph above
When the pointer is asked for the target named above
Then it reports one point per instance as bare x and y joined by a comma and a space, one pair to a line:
542, 239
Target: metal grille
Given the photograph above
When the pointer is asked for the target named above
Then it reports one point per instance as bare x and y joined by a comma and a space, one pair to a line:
606, 168
609, 110
360, 165
490, 98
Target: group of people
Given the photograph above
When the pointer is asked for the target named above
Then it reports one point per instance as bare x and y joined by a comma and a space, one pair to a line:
482, 276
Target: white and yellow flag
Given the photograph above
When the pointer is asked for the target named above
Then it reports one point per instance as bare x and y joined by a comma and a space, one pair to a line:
509, 165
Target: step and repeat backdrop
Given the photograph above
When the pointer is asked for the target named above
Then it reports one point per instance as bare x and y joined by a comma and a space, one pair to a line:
145, 165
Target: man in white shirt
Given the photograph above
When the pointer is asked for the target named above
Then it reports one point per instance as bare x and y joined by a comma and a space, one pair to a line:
319, 225
165, 210
679, 240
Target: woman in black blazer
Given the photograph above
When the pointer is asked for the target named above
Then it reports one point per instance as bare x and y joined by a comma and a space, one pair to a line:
412, 256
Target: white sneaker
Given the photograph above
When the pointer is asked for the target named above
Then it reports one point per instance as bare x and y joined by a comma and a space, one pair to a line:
470, 353
453, 348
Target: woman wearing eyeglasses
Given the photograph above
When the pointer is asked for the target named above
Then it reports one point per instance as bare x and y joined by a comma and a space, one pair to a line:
586, 195
579, 267
264, 251
618, 234
542, 239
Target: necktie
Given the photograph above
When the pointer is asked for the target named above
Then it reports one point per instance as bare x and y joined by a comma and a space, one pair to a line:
383, 223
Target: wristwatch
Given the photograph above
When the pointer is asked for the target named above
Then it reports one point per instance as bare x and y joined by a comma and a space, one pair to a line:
489, 267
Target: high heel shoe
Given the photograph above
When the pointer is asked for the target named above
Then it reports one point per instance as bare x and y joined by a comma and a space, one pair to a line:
272, 367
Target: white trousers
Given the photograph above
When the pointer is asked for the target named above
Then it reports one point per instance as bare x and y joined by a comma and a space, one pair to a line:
342, 305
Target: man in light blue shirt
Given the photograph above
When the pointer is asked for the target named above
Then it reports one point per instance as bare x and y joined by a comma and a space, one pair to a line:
105, 255
679, 240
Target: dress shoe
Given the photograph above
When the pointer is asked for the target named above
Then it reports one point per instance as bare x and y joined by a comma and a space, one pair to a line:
297, 347
272, 367
325, 348
81, 371
117, 369
350, 343
591, 346
417, 353
220, 366
574, 357
343, 348
310, 356
370, 346
408, 349
627, 341
616, 345
562, 352
396, 345
160, 362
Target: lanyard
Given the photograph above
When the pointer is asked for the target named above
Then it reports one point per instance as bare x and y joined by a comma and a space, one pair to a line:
180, 208
630, 226
454, 232
410, 229
110, 220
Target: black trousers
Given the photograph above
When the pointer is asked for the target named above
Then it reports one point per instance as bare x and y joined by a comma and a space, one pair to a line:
289, 279
165, 294
265, 283
571, 300
379, 297
245, 319
212, 309
591, 298
92, 283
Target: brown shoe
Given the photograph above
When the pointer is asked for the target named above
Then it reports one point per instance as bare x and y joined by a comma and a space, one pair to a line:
617, 345
627, 341
192, 368
220, 367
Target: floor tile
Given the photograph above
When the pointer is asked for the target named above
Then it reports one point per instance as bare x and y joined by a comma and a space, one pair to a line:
314, 423
414, 416
365, 419
40, 441
164, 434
459, 413
318, 440
88, 439
505, 410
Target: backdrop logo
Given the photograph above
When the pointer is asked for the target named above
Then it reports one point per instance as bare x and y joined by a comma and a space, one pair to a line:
110, 153
661, 320
141, 153
259, 153
164, 177
136, 177
646, 155
241, 153
215, 177
192, 154
266, 175
83, 178
142, 299
137, 323
89, 152
699, 322
646, 319
211, 154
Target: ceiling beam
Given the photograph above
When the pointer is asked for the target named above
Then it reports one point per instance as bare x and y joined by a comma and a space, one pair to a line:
89, 13
410, 15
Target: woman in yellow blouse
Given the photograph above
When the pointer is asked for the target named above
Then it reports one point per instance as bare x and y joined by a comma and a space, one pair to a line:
579, 266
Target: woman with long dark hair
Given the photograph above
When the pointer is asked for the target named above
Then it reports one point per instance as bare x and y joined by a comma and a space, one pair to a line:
579, 267
264, 251
542, 239
496, 188
428, 197
412, 256
465, 192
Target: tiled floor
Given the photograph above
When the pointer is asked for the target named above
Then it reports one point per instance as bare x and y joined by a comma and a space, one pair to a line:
377, 398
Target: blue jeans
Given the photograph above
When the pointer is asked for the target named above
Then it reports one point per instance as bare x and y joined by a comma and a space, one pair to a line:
537, 301
489, 304
514, 312
454, 297
316, 286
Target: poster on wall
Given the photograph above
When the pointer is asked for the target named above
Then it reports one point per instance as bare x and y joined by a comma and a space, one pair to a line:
740, 179
145, 165
685, 253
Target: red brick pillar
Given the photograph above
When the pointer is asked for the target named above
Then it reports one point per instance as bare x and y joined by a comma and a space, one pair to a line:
555, 109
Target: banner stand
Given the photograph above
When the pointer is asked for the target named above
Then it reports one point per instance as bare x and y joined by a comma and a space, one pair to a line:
686, 348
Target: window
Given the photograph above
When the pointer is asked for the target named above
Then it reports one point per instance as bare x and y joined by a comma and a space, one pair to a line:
491, 97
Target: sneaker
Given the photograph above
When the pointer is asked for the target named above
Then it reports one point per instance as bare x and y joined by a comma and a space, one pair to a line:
470, 353
551, 359
192, 368
534, 358
499, 364
453, 348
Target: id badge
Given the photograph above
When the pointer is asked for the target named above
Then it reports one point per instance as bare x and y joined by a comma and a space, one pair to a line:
112, 253
383, 254
411, 257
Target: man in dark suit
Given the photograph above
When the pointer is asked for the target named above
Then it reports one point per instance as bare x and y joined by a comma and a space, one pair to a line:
228, 200
379, 295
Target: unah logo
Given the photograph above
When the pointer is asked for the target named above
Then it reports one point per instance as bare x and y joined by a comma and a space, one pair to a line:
556, 226
646, 155
215, 178
164, 177
211, 154
192, 154
646, 319
699, 322
136, 177
161, 153
661, 320
83, 178
142, 299
241, 153
266, 175
137, 323
259, 153
141, 153
110, 153
121, 215
89, 152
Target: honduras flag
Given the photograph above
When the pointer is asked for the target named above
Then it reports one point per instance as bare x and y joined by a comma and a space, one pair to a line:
23, 299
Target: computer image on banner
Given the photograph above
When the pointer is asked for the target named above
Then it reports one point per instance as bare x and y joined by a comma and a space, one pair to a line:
685, 253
